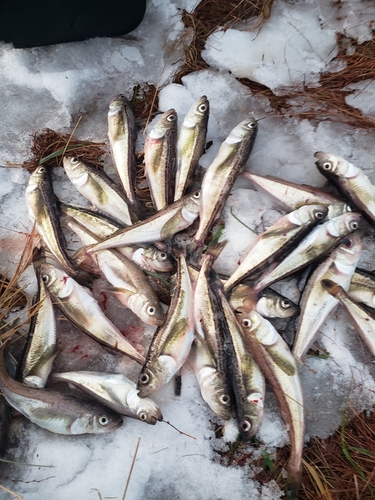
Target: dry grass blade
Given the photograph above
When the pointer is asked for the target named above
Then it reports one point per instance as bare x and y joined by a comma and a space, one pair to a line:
48, 144
131, 469
321, 489
11, 492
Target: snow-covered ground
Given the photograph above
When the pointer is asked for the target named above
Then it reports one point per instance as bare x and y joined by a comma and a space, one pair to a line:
51, 87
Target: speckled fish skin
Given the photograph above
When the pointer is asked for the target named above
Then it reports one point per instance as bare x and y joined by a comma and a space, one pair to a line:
350, 180
115, 391
78, 305
171, 343
131, 286
316, 303
278, 238
213, 385
321, 240
247, 379
42, 347
362, 288
220, 176
191, 142
56, 412
161, 158
42, 206
363, 321
122, 134
294, 196
98, 189
269, 304
161, 226
148, 257
280, 369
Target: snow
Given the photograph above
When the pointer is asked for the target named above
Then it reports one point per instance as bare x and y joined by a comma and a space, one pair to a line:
51, 87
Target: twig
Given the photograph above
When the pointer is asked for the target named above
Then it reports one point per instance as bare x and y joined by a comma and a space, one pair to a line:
131, 469
70, 138
178, 430
11, 492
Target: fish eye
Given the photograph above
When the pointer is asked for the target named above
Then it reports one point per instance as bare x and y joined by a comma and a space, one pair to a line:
143, 416
252, 124
45, 278
121, 96
327, 165
74, 161
319, 215
245, 425
354, 225
197, 194
246, 323
162, 255
347, 242
144, 378
41, 169
171, 118
225, 399
202, 108
103, 420
285, 304
151, 310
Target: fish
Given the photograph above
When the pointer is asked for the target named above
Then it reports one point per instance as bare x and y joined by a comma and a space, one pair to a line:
350, 180
56, 412
170, 346
220, 176
362, 287
42, 206
160, 159
122, 134
163, 225
269, 303
319, 242
146, 256
294, 196
98, 189
191, 142
131, 286
363, 321
115, 391
247, 379
278, 238
213, 385
41, 346
280, 369
79, 306
316, 303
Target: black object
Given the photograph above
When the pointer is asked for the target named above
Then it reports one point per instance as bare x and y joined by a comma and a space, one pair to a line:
30, 23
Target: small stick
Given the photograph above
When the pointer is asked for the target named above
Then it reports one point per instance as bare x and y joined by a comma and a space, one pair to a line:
70, 138
131, 469
178, 430
11, 492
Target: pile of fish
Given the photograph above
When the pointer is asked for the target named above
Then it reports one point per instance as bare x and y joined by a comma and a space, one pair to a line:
220, 324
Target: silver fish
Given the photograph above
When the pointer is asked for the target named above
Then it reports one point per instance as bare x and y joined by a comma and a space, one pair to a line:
190, 144
280, 369
276, 240
171, 344
115, 391
269, 304
363, 321
321, 240
122, 134
213, 385
350, 180
220, 176
57, 412
362, 288
294, 195
247, 379
78, 305
160, 159
131, 286
98, 189
316, 303
164, 224
41, 202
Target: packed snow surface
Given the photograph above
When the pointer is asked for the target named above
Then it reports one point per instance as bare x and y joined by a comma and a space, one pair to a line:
51, 87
